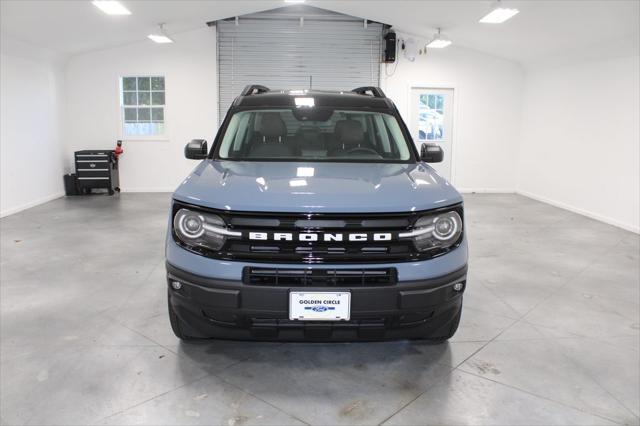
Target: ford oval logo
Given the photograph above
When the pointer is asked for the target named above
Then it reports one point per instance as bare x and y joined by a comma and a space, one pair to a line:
319, 308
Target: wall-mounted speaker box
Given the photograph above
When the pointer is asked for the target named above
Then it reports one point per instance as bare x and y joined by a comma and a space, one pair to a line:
390, 48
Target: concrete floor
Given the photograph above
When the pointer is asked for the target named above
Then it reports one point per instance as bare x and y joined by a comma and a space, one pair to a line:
549, 332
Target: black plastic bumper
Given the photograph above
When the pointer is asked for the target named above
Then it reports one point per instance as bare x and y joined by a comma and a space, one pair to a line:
234, 310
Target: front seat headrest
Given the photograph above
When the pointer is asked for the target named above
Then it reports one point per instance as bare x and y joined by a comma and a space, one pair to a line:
272, 126
349, 132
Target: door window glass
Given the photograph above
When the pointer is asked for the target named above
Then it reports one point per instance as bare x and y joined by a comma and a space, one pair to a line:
430, 117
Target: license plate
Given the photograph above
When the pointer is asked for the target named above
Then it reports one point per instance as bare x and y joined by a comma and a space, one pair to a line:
319, 306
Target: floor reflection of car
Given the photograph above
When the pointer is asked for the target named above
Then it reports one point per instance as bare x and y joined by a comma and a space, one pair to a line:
430, 124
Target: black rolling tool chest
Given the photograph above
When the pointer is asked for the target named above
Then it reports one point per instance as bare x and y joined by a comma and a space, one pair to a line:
97, 169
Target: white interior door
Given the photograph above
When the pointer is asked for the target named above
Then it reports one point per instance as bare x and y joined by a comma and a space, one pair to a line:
431, 119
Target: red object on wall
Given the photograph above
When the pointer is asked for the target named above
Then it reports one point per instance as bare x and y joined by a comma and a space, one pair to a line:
118, 149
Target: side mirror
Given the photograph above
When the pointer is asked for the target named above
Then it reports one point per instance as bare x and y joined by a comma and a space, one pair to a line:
431, 153
196, 149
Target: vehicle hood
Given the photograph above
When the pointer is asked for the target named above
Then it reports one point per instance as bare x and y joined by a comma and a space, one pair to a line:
316, 187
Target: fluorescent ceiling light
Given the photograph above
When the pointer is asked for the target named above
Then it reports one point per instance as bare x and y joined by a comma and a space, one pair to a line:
111, 7
498, 14
161, 37
439, 41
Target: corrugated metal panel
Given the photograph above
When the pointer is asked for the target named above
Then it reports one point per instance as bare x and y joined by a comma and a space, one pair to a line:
275, 50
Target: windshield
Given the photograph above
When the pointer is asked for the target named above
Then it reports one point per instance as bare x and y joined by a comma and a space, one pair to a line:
314, 134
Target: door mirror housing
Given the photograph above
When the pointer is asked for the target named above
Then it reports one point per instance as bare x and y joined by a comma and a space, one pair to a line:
196, 149
431, 153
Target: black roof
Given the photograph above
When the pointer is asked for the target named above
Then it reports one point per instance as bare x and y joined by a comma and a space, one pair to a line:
259, 96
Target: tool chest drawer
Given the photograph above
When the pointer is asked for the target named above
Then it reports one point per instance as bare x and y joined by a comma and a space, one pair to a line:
93, 173
94, 155
93, 163
93, 167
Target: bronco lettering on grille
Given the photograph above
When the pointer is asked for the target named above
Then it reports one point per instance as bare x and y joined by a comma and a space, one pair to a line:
321, 237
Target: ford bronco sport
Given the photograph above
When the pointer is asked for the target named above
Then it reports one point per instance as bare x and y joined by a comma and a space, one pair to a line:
314, 217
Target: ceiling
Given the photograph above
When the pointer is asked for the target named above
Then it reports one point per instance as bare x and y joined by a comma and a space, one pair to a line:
542, 30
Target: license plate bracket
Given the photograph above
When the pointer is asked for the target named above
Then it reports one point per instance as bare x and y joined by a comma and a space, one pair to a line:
320, 305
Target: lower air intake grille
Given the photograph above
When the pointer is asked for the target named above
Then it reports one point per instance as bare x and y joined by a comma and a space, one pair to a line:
320, 277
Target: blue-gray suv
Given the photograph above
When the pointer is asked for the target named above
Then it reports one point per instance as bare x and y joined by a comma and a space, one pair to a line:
314, 217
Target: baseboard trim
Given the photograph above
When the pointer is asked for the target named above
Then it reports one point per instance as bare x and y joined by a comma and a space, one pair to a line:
30, 204
601, 218
139, 189
486, 191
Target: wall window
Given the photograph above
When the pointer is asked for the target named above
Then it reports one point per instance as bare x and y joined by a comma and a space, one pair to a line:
142, 101
431, 117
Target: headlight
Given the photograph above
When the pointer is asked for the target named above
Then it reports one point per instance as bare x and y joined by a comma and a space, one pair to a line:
198, 229
437, 231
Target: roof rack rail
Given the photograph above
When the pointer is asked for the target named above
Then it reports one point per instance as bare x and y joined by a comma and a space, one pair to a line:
253, 89
374, 91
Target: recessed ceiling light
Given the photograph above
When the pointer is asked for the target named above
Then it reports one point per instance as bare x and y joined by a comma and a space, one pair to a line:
498, 14
111, 7
439, 41
161, 37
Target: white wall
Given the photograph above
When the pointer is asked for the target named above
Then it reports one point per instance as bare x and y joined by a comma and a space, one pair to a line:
93, 111
565, 135
31, 106
488, 97
580, 139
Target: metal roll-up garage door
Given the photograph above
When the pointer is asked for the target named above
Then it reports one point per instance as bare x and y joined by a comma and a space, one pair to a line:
280, 50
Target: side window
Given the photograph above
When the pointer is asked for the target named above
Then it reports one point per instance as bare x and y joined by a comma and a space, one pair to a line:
382, 133
142, 104
230, 139
395, 135
243, 135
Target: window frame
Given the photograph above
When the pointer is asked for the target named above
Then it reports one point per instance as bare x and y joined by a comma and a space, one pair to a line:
163, 137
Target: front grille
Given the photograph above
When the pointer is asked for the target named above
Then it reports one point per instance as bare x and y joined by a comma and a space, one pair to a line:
320, 277
321, 251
